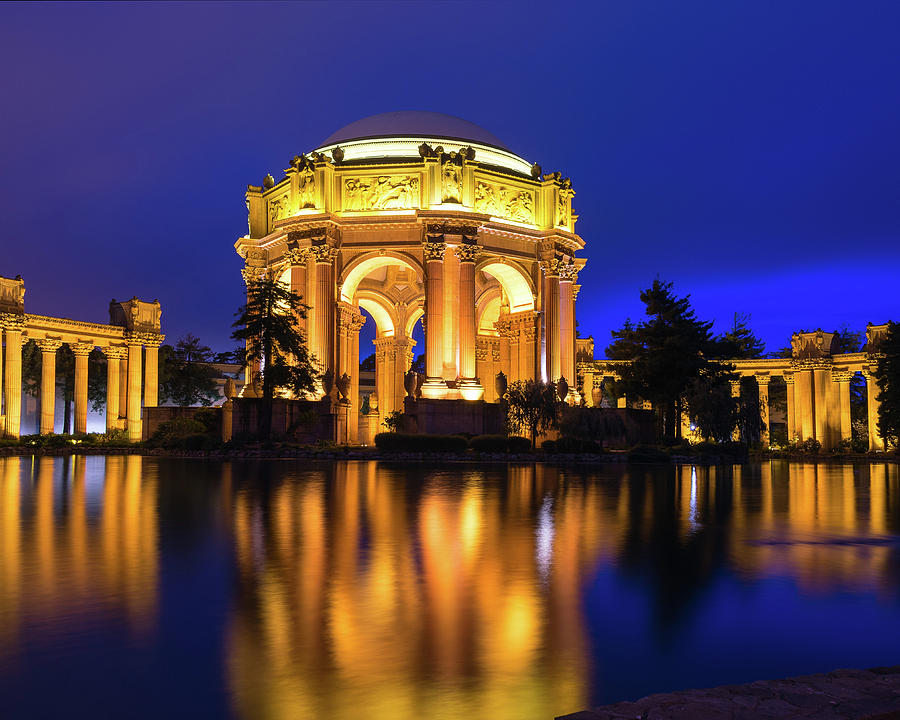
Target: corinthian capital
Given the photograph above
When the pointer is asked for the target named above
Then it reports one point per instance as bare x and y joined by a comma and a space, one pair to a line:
323, 253
433, 250
467, 252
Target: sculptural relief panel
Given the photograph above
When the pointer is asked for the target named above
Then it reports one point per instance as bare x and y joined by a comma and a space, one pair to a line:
278, 209
504, 201
382, 192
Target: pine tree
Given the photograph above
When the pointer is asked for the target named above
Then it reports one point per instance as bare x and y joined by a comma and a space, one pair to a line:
887, 376
274, 343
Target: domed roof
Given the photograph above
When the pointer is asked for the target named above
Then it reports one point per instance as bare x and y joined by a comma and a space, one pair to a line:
412, 123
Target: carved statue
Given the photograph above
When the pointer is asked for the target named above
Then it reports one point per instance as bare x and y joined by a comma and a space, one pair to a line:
451, 183
307, 190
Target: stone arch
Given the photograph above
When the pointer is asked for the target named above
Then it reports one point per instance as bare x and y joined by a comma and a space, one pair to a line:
360, 266
515, 281
413, 318
381, 310
487, 311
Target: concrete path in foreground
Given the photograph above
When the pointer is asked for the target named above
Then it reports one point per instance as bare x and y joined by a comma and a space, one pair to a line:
840, 695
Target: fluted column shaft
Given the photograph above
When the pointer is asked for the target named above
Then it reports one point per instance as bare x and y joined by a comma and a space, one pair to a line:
844, 404
467, 331
552, 359
81, 352
803, 389
736, 393
454, 305
48, 384
133, 411
433, 251
876, 442
324, 316
762, 382
567, 329
114, 357
151, 375
791, 410
821, 381
12, 390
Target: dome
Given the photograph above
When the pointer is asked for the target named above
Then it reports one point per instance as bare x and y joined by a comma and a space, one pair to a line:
414, 124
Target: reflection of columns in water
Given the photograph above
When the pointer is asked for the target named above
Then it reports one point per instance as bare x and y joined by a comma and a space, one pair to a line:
10, 551
48, 350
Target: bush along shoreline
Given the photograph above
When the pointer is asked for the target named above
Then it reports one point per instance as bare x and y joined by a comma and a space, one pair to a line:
186, 437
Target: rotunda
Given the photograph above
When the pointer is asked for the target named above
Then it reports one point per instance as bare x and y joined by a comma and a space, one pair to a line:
422, 216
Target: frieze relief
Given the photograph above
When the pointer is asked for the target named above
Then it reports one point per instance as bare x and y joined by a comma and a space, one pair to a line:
383, 192
278, 210
505, 202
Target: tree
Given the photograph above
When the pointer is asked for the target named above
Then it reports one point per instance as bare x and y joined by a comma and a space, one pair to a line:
847, 341
532, 407
740, 342
667, 352
185, 376
887, 377
275, 345
368, 364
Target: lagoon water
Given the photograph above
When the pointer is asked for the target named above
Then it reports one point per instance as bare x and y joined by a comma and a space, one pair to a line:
144, 587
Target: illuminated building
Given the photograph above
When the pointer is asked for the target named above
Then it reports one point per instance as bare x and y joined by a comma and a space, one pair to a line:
417, 215
130, 343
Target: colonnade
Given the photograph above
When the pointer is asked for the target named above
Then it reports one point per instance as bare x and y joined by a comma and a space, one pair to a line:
130, 344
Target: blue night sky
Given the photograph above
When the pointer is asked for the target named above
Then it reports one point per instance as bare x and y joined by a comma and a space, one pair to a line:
747, 151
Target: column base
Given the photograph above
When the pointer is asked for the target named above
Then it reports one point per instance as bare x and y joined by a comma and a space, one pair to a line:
435, 388
470, 389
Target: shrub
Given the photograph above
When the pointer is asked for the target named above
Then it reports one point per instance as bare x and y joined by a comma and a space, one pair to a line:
572, 445
648, 454
809, 446
408, 442
175, 433
500, 444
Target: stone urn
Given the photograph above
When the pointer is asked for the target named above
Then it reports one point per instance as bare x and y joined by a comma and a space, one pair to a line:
343, 386
373, 403
410, 381
597, 396
328, 382
500, 384
562, 389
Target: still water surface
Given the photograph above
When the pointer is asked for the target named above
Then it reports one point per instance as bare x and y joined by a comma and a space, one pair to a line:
145, 587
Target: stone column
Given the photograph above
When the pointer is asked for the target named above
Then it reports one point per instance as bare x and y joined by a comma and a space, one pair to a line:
114, 357
12, 390
529, 367
356, 325
81, 350
803, 403
470, 388
453, 306
587, 388
550, 299
325, 301
433, 251
151, 372
133, 411
567, 325
48, 383
876, 442
821, 381
123, 391
791, 419
762, 382
842, 379
298, 259
735, 393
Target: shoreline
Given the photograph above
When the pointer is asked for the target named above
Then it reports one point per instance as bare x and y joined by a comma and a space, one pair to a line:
872, 694
614, 457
